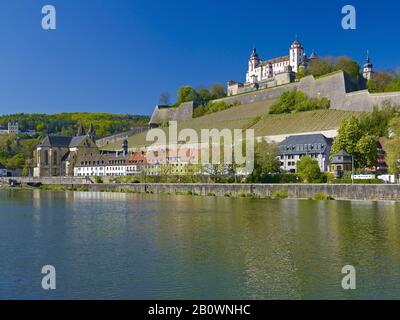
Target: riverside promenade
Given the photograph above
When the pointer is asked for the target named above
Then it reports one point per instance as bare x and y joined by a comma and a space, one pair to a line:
295, 191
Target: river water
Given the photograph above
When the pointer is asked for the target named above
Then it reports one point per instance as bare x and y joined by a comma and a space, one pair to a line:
137, 246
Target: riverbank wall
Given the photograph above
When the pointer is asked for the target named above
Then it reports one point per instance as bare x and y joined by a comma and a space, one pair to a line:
296, 191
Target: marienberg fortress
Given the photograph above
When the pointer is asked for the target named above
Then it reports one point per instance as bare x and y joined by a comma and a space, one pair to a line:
270, 78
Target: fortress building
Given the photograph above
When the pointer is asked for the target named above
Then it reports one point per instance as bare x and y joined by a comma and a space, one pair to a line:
273, 72
262, 74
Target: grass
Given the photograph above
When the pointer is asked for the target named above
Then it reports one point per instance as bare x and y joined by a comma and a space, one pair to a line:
308, 121
254, 116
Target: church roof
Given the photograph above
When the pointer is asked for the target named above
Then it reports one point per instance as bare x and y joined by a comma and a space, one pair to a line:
62, 142
55, 141
76, 141
313, 55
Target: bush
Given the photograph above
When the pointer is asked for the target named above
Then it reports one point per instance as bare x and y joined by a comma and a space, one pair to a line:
212, 107
298, 101
322, 196
98, 179
358, 181
279, 194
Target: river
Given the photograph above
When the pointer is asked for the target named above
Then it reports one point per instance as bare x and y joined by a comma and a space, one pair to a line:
143, 246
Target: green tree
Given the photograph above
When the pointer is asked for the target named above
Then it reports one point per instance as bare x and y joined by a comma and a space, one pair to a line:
308, 169
217, 91
392, 147
356, 141
367, 151
348, 136
320, 67
265, 160
186, 94
349, 66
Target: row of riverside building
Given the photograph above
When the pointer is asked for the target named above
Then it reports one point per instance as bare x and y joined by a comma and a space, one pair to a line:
79, 156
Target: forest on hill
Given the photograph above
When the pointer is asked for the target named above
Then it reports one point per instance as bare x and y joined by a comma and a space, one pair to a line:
16, 152
67, 124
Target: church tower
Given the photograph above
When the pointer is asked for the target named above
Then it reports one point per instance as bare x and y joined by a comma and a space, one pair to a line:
296, 55
368, 68
91, 133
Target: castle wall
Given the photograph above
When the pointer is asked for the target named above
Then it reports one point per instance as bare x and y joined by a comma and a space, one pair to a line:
165, 114
123, 135
334, 87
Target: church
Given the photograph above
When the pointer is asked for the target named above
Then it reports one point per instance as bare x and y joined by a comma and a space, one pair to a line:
56, 156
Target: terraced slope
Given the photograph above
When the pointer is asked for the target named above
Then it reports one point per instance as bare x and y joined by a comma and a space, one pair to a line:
255, 116
319, 120
233, 118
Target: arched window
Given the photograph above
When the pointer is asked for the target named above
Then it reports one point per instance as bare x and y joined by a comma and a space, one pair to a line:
46, 158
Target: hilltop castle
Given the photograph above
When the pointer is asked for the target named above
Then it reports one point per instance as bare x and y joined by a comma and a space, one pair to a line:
278, 71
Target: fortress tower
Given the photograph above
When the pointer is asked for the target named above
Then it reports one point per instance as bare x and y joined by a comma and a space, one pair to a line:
368, 68
296, 55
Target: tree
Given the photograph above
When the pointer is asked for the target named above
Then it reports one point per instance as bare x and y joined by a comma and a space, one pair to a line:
379, 82
357, 141
265, 160
217, 91
349, 66
186, 94
320, 67
392, 146
348, 136
367, 151
308, 169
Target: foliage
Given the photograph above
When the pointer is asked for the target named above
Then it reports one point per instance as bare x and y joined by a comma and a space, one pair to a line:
392, 146
105, 124
357, 141
279, 194
308, 169
16, 153
98, 179
212, 107
265, 161
322, 196
357, 181
377, 122
298, 101
322, 66
384, 82
200, 96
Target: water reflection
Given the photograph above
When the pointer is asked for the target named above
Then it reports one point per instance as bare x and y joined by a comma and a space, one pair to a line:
114, 245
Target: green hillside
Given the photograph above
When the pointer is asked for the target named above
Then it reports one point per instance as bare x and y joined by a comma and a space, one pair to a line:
255, 116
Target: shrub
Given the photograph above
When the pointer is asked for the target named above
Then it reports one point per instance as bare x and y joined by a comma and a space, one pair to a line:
298, 101
98, 179
211, 194
279, 194
322, 196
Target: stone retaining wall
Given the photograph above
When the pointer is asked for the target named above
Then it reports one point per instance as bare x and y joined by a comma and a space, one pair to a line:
305, 191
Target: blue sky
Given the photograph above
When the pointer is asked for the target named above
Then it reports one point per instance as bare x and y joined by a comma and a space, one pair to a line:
119, 55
